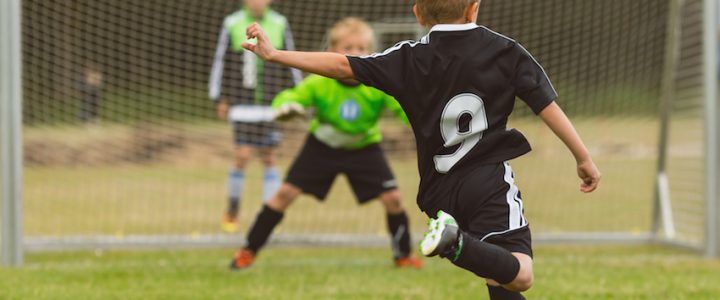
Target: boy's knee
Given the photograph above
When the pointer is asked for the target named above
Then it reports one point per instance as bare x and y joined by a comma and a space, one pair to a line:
242, 156
268, 157
285, 196
269, 161
392, 201
522, 283
525, 278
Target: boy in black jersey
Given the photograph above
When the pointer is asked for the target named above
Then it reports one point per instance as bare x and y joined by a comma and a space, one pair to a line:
458, 86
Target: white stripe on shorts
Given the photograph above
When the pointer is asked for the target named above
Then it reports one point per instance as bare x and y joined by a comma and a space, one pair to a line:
515, 205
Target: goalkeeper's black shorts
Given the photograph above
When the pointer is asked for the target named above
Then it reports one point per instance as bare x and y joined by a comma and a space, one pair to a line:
317, 165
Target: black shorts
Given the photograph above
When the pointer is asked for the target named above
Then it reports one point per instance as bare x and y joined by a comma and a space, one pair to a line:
487, 204
317, 165
261, 135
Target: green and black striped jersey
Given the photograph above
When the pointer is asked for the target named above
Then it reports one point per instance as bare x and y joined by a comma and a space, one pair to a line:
237, 75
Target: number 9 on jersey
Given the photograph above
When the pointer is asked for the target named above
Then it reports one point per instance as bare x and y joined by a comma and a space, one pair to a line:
459, 106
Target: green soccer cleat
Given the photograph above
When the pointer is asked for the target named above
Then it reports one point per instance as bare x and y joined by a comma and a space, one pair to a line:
442, 236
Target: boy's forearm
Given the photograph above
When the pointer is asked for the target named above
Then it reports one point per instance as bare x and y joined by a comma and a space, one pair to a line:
559, 123
326, 64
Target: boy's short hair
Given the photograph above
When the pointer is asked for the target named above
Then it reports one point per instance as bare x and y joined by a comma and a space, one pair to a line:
442, 11
347, 26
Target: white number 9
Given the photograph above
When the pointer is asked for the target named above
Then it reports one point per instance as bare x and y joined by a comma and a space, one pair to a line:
460, 105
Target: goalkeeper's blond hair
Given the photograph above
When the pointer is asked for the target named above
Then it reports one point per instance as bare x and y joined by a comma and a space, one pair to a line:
349, 26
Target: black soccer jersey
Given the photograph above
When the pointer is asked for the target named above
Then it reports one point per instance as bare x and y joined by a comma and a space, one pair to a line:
458, 87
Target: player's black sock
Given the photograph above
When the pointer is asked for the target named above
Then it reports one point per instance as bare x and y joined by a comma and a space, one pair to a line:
399, 234
485, 260
264, 225
234, 206
499, 293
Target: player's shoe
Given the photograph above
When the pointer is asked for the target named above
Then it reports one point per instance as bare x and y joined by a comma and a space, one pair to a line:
442, 238
243, 259
230, 222
408, 262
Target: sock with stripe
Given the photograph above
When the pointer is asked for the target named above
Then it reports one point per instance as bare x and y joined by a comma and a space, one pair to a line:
271, 183
485, 260
399, 234
236, 180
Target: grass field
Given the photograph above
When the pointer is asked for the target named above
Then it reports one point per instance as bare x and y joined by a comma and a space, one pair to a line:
562, 272
182, 191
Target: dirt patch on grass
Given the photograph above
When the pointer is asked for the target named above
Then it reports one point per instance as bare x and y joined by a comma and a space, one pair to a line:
145, 143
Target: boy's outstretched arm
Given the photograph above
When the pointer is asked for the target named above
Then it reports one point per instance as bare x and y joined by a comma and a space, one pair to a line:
559, 123
327, 64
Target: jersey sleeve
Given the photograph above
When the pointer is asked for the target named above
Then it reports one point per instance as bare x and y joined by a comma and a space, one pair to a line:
532, 84
302, 94
217, 74
385, 71
393, 105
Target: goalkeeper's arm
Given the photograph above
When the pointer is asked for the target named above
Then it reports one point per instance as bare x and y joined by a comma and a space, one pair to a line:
292, 103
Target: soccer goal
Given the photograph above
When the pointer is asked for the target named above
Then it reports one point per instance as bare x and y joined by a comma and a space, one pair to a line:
122, 147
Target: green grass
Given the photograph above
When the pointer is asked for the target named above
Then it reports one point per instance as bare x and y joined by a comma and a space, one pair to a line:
183, 191
562, 272
189, 199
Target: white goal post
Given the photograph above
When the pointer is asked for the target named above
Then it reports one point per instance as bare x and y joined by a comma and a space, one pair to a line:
712, 137
10, 133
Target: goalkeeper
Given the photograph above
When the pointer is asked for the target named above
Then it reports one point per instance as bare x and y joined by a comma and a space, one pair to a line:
344, 138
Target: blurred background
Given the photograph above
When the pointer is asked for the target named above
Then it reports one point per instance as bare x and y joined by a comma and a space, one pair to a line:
153, 158
145, 166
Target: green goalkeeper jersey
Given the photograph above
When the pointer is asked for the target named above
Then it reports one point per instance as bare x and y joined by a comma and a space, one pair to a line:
346, 116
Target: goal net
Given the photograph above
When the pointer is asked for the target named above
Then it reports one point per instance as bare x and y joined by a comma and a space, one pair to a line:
685, 157
123, 146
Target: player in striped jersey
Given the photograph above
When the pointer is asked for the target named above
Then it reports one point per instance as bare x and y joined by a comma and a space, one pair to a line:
243, 87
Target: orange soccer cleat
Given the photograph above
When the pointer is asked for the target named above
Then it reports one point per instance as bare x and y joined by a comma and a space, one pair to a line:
408, 262
243, 259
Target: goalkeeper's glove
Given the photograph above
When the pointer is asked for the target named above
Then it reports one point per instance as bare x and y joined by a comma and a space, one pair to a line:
289, 111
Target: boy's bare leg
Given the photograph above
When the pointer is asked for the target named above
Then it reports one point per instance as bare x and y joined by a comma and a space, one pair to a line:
511, 270
270, 216
525, 277
235, 184
267, 219
392, 201
284, 197
522, 282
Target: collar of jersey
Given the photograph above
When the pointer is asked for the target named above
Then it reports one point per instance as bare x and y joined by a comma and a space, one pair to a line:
454, 27
449, 27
